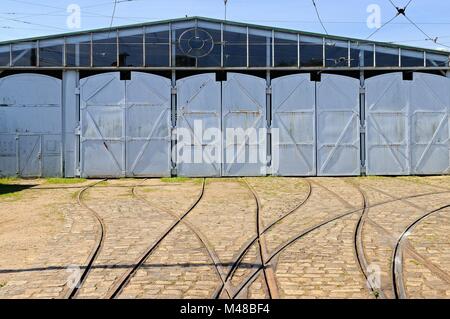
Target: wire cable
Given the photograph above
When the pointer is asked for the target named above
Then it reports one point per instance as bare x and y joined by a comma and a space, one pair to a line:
318, 16
382, 26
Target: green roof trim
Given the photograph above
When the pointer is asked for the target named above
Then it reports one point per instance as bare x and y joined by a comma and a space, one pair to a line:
228, 22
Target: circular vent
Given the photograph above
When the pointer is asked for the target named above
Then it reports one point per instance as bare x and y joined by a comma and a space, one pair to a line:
196, 43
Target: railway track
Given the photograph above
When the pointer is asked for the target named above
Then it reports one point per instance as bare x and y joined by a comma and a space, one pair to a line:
359, 245
269, 275
305, 232
73, 291
250, 243
267, 262
121, 283
398, 287
397, 260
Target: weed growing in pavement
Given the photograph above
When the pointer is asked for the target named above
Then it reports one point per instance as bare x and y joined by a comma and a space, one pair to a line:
65, 180
175, 179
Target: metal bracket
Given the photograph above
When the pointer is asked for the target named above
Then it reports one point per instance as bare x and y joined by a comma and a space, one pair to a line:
77, 90
362, 90
362, 129
269, 90
78, 130
173, 90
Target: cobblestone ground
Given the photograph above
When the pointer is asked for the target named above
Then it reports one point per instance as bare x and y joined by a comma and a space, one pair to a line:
45, 233
40, 239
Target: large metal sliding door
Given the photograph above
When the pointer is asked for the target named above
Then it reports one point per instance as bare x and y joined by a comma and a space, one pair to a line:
148, 125
387, 136
430, 107
199, 140
30, 126
407, 125
125, 128
338, 138
102, 105
244, 126
293, 107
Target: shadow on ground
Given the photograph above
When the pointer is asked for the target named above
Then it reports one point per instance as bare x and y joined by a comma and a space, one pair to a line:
8, 189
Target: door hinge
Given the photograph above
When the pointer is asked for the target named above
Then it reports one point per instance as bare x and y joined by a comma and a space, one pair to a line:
78, 130
269, 90
362, 129
77, 90
173, 91
362, 90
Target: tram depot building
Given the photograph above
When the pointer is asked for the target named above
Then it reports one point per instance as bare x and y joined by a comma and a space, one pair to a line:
114, 103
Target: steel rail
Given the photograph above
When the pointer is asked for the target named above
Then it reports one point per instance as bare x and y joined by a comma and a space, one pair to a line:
318, 226
72, 292
250, 243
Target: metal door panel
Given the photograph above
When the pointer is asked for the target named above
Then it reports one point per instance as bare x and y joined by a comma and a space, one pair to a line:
199, 105
103, 126
244, 108
338, 137
30, 105
30, 156
407, 124
8, 155
293, 107
51, 155
387, 133
430, 105
148, 125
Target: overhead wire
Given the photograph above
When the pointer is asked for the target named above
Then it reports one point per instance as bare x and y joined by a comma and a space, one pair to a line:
318, 16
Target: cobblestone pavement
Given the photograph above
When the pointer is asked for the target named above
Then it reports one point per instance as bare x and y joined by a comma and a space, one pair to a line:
308, 237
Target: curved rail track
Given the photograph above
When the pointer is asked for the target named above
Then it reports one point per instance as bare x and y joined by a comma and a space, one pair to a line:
305, 232
269, 276
359, 244
73, 291
266, 260
398, 287
397, 260
120, 284
250, 243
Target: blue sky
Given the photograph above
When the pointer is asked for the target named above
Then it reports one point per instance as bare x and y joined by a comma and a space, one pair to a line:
27, 18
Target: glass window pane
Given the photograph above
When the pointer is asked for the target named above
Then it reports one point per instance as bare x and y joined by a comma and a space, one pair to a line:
437, 60
386, 57
4, 55
51, 53
24, 54
186, 45
336, 53
412, 58
260, 48
198, 46
311, 51
104, 49
235, 47
78, 51
131, 48
361, 54
157, 47
286, 50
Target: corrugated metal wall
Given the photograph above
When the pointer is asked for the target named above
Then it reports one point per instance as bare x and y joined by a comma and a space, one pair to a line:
124, 127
